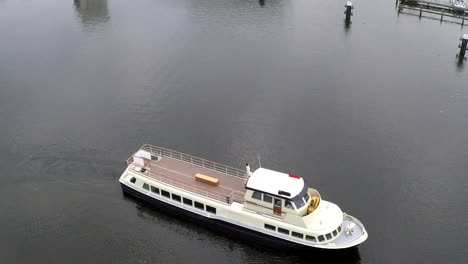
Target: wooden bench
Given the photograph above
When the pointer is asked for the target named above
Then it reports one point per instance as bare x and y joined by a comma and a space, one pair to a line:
206, 179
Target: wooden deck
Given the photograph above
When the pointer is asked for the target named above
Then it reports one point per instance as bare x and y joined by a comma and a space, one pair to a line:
180, 173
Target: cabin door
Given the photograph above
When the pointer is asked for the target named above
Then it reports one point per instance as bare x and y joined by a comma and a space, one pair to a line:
277, 207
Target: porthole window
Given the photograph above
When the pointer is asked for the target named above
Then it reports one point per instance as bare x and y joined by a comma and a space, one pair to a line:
133, 180
311, 238
270, 227
339, 229
154, 189
187, 201
283, 231
210, 209
257, 195
335, 233
321, 238
329, 236
146, 186
165, 194
199, 206
176, 197
298, 235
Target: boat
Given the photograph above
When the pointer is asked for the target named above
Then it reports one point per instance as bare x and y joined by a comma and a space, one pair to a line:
459, 3
265, 205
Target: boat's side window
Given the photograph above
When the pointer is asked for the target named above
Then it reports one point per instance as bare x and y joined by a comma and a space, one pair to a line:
277, 202
321, 238
133, 180
329, 236
210, 209
339, 229
283, 231
267, 226
187, 201
176, 197
267, 198
298, 235
146, 186
334, 233
165, 194
288, 204
199, 206
306, 197
154, 189
311, 238
257, 195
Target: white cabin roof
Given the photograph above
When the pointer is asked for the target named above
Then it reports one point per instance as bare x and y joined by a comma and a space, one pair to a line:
270, 181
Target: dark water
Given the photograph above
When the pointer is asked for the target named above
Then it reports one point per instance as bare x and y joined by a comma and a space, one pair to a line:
375, 116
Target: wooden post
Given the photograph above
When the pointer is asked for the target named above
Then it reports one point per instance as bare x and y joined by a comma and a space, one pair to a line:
463, 47
349, 6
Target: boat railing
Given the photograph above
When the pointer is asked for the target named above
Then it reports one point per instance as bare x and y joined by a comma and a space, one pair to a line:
234, 196
164, 152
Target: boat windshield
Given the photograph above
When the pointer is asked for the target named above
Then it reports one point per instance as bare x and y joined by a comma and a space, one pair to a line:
298, 202
301, 199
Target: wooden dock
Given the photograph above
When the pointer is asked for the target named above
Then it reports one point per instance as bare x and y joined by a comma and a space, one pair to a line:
439, 9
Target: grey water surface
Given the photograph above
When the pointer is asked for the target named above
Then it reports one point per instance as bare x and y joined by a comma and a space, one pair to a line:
374, 116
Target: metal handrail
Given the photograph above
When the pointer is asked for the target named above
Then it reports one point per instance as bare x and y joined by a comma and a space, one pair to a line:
191, 188
234, 196
200, 162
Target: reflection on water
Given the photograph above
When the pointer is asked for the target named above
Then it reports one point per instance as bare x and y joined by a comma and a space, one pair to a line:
92, 12
254, 252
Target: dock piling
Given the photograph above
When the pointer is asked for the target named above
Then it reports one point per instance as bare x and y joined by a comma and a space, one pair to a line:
349, 6
463, 47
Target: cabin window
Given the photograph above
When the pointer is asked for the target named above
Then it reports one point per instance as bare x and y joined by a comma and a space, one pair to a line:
270, 227
187, 201
165, 194
133, 180
277, 202
299, 203
311, 238
334, 233
329, 236
306, 197
210, 209
257, 195
267, 198
321, 238
339, 229
288, 204
154, 189
283, 231
146, 186
298, 235
199, 206
176, 197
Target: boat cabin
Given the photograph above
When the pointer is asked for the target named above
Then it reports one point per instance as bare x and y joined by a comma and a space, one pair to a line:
279, 193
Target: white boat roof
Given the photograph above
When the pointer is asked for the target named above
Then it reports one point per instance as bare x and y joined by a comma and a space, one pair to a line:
272, 182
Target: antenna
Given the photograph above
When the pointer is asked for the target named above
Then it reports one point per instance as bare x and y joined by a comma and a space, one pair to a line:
259, 161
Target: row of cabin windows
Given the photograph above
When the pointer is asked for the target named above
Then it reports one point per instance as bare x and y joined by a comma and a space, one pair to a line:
176, 197
320, 238
299, 202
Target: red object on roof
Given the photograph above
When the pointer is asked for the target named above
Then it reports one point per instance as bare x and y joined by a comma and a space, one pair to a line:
294, 176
